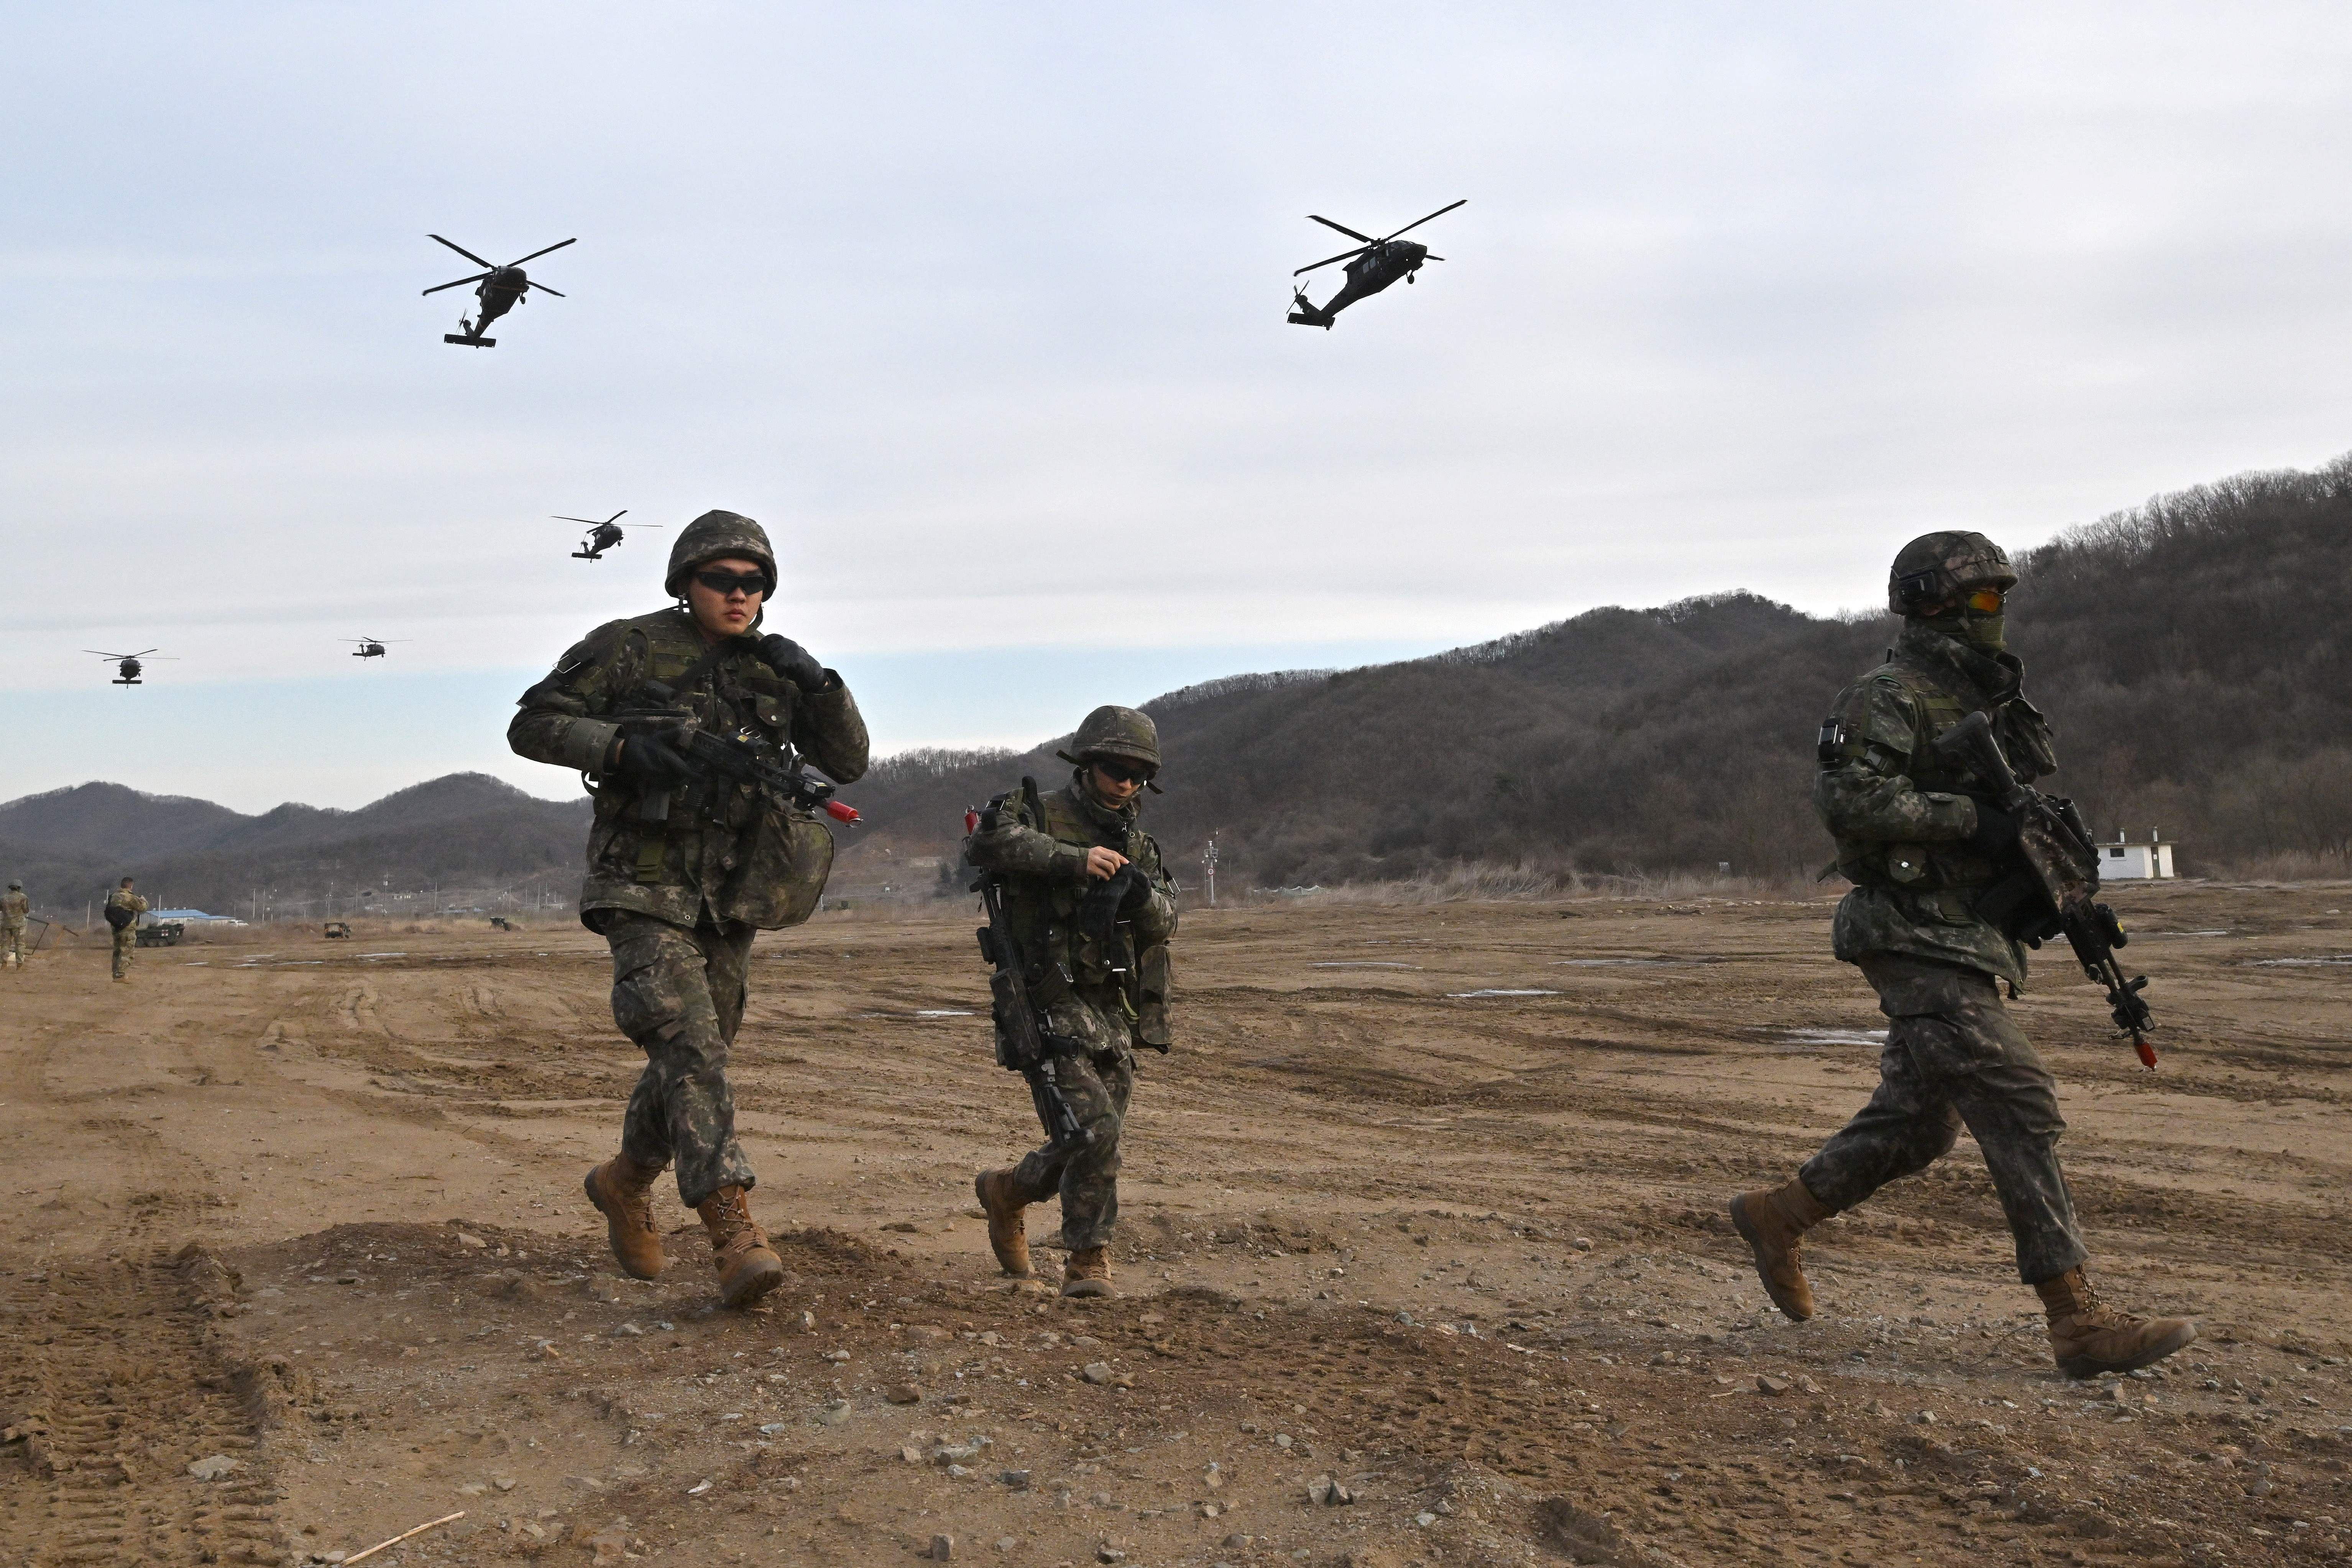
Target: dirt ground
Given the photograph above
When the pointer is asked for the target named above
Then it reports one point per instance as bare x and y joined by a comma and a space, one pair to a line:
1423, 1218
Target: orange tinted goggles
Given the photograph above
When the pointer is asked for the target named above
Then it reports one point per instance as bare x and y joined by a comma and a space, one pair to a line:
1986, 600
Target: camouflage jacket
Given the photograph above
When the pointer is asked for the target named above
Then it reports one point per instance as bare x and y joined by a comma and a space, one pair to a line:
14, 909
727, 852
1106, 1001
119, 900
1901, 816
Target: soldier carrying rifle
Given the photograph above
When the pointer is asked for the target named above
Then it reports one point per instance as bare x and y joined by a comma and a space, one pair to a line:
691, 726
1955, 874
1080, 913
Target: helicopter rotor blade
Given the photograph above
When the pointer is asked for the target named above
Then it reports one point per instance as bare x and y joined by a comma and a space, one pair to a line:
560, 244
1342, 228
543, 289
1439, 213
465, 253
143, 653
1328, 259
1433, 259
461, 282
618, 515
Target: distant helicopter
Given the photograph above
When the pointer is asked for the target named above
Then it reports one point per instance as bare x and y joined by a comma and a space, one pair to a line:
601, 536
369, 647
1377, 263
503, 288
126, 665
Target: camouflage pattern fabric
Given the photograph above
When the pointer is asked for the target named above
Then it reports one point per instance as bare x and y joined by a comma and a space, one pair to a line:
1100, 1000
1955, 1057
15, 910
679, 994
1086, 1179
735, 858
126, 937
1901, 817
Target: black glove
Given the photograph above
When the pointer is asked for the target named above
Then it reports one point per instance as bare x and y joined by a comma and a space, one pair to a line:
1109, 901
1996, 832
650, 757
794, 662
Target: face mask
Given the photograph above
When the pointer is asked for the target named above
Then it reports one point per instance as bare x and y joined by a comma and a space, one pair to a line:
1984, 633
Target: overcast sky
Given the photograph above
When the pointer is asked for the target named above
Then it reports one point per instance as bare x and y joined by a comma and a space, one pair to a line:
980, 309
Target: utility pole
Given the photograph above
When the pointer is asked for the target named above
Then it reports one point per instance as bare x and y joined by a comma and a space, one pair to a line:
1209, 869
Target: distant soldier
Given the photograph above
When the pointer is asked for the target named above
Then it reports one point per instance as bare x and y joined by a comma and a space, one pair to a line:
123, 909
1923, 844
1091, 911
15, 910
684, 867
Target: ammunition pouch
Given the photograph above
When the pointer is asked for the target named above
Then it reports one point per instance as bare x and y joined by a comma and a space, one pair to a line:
1151, 978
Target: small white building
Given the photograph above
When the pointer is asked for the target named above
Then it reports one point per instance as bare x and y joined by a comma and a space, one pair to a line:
2124, 861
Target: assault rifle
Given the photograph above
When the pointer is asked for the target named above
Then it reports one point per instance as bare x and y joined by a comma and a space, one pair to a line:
2057, 889
1020, 1040
741, 757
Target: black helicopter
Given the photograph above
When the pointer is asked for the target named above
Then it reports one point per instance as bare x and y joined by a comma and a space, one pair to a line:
127, 666
1377, 264
501, 290
369, 647
601, 536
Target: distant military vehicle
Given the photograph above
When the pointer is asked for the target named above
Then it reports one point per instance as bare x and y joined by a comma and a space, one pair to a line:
339, 928
369, 647
163, 933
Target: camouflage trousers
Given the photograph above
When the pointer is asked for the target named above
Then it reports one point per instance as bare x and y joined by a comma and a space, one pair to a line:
1085, 1178
679, 994
126, 944
12, 942
1954, 1057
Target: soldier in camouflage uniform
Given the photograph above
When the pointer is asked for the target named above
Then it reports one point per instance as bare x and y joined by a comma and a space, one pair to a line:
15, 910
1091, 909
679, 898
1922, 843
129, 906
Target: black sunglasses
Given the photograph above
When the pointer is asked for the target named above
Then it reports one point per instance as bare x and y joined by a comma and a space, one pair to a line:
1126, 772
725, 583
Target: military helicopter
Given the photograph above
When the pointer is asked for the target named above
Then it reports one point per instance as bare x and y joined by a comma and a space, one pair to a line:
369, 647
601, 536
501, 290
127, 666
1377, 264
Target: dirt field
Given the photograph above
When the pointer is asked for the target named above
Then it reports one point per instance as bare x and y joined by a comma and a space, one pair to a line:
1428, 1203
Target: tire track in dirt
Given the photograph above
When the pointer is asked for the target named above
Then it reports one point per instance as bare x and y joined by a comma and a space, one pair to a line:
110, 1392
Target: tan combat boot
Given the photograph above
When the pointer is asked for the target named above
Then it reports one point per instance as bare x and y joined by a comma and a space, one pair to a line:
1769, 1223
623, 1191
2089, 1337
747, 1268
1008, 1236
1087, 1273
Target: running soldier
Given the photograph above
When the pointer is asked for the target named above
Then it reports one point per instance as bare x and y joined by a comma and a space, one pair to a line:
1090, 910
123, 909
684, 865
1922, 845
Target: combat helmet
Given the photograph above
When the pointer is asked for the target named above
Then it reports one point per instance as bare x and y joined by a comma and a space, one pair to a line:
1110, 731
14, 886
710, 537
1934, 567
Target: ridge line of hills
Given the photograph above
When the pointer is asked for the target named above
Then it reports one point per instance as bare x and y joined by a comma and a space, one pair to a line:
2192, 654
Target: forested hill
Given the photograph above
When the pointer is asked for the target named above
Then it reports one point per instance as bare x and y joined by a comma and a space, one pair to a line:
465, 830
2191, 654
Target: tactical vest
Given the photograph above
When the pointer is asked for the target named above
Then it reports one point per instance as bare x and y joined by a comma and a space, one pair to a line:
1919, 867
